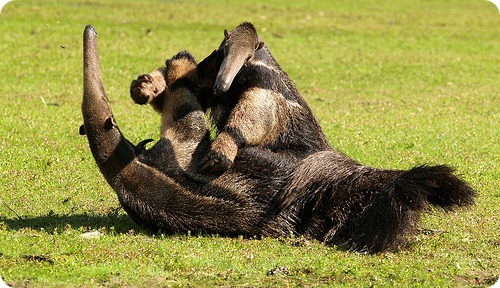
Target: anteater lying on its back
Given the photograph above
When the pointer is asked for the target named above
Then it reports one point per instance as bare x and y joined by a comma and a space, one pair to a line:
322, 193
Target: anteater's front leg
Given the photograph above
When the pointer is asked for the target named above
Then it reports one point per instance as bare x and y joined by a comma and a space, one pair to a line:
149, 88
253, 122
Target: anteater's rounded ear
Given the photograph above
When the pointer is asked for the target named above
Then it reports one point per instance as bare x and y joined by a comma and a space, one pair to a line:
259, 45
226, 34
82, 130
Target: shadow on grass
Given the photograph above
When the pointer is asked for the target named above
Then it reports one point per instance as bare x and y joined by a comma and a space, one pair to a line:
53, 223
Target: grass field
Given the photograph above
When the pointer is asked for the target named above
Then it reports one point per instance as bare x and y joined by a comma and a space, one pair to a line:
394, 84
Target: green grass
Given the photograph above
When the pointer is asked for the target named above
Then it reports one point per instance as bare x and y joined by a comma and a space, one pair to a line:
394, 84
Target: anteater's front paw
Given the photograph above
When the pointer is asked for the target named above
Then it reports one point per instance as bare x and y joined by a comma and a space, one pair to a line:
215, 162
221, 155
142, 89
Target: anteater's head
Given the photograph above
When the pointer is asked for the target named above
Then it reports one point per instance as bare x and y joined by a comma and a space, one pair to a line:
238, 47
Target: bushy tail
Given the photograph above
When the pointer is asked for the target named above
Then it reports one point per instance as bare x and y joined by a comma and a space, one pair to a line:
436, 185
385, 223
368, 209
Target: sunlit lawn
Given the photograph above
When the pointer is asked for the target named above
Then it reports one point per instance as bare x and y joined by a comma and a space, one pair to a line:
394, 84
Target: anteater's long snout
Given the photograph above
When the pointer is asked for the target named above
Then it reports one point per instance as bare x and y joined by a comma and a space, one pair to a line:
111, 150
228, 70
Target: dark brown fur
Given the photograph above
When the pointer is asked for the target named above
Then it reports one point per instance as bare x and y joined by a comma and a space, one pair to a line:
324, 195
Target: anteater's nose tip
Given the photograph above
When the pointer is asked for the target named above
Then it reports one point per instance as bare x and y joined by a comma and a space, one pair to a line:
221, 88
89, 30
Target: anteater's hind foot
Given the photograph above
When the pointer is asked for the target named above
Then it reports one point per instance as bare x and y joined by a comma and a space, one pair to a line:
143, 90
